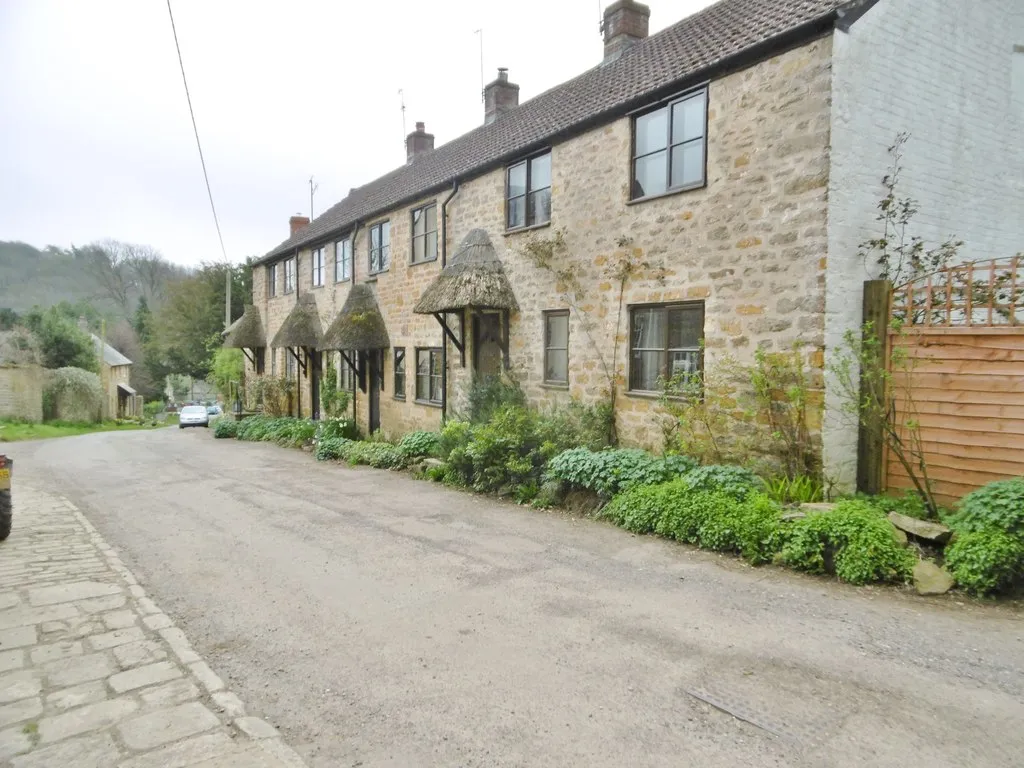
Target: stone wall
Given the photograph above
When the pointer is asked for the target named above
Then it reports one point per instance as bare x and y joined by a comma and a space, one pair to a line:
21, 392
751, 245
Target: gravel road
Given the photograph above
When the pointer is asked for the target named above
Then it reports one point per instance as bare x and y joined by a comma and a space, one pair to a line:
382, 621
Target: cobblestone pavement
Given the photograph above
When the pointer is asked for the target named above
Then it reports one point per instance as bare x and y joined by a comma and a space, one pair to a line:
93, 674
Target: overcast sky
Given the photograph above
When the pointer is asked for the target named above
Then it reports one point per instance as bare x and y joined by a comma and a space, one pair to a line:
95, 137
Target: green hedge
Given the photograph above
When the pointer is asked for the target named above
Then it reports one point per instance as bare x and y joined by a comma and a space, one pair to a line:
614, 470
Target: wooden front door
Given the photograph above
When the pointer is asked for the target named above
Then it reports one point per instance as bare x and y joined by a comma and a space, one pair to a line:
487, 351
374, 380
313, 363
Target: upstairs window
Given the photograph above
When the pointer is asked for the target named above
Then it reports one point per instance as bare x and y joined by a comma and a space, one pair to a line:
380, 247
400, 373
424, 234
528, 192
669, 146
289, 275
665, 345
318, 267
272, 280
343, 260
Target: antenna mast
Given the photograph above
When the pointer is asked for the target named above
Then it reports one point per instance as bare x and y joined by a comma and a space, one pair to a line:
480, 33
312, 188
401, 96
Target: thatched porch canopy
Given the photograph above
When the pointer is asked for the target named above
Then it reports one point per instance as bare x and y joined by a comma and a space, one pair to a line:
359, 324
247, 331
474, 277
302, 326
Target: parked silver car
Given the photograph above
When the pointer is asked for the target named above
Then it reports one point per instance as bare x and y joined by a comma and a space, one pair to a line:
193, 416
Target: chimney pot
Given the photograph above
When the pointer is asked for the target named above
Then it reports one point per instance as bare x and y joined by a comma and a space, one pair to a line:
626, 22
297, 223
418, 142
500, 97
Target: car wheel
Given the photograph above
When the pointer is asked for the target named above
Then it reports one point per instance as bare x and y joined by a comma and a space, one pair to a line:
181, 426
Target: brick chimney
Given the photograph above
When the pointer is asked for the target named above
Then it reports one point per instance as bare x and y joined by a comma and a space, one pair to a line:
499, 97
417, 142
625, 22
298, 222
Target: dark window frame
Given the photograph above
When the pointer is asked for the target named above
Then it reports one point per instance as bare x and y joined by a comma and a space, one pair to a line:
398, 372
272, 279
667, 105
548, 314
345, 259
316, 269
382, 251
664, 349
433, 380
525, 197
294, 277
425, 236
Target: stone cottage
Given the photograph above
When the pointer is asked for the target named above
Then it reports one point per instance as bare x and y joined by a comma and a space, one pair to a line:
121, 401
730, 164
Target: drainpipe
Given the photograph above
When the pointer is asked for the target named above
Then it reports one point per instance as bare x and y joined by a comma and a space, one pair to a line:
298, 368
444, 337
352, 280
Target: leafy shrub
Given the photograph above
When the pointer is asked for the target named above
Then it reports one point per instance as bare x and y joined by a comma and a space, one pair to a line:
998, 506
550, 494
611, 471
437, 473
72, 394
795, 490
380, 455
984, 562
344, 426
419, 443
711, 519
734, 481
330, 448
491, 395
854, 540
225, 428
153, 409
910, 504
284, 430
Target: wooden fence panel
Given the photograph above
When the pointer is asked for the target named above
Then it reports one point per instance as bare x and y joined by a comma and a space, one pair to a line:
966, 390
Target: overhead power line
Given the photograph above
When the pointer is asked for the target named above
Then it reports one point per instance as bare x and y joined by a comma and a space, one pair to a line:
195, 129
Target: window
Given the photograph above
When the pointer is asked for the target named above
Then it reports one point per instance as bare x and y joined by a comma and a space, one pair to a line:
424, 234
668, 146
428, 374
289, 275
272, 280
291, 369
346, 378
665, 343
380, 247
273, 362
528, 192
318, 267
556, 347
400, 373
343, 260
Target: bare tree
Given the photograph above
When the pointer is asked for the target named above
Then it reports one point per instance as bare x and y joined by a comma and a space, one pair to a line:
106, 262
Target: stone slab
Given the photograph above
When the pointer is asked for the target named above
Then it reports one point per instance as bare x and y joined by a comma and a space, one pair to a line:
17, 711
140, 677
76, 696
185, 754
67, 593
19, 685
78, 669
84, 719
117, 637
17, 638
167, 725
98, 751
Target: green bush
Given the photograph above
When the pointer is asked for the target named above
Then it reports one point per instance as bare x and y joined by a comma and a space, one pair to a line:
910, 504
342, 426
998, 506
491, 395
985, 562
330, 448
795, 490
153, 409
72, 394
711, 519
225, 428
419, 443
283, 430
612, 471
734, 481
380, 455
854, 540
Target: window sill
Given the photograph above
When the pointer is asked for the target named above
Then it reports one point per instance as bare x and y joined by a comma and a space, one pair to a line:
315, 287
345, 280
422, 262
670, 193
555, 385
530, 228
400, 398
428, 403
642, 394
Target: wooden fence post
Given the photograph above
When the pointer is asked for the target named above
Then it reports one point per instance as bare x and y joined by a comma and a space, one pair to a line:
870, 438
